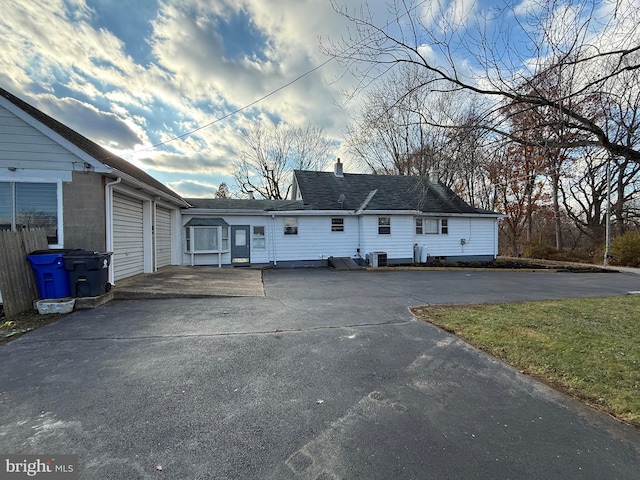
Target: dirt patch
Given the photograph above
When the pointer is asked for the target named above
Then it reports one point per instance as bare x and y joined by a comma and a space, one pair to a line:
516, 264
23, 323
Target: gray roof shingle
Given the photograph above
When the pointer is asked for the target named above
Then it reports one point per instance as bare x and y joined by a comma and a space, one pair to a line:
245, 204
323, 191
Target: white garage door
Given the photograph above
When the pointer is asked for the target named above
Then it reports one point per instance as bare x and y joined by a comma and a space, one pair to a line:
163, 237
128, 236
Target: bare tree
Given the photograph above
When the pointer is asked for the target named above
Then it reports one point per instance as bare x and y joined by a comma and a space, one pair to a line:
591, 42
270, 153
223, 191
584, 195
394, 132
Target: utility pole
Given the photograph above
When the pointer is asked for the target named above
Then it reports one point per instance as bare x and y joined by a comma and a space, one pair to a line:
607, 238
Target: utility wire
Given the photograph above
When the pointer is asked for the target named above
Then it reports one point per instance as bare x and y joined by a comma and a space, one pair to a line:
282, 87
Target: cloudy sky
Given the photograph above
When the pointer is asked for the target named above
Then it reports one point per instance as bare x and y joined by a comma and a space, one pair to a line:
132, 74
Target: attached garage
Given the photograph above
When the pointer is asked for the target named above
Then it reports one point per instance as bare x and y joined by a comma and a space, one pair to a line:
128, 236
163, 237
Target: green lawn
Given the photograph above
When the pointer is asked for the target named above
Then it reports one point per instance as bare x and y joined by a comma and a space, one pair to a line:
589, 348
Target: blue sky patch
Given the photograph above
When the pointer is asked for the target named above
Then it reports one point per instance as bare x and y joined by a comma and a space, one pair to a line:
241, 38
132, 28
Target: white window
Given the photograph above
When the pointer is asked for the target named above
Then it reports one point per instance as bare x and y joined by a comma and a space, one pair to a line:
337, 224
31, 205
207, 239
432, 226
290, 225
259, 241
384, 225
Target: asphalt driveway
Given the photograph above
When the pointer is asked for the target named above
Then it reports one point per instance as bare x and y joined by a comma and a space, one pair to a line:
326, 377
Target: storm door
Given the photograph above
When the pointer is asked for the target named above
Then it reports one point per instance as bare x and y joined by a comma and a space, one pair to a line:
240, 244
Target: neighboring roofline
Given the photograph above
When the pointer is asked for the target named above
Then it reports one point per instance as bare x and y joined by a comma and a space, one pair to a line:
222, 211
277, 213
97, 165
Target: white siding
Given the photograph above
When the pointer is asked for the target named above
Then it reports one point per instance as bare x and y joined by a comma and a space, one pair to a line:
128, 236
24, 147
163, 237
315, 240
479, 235
397, 245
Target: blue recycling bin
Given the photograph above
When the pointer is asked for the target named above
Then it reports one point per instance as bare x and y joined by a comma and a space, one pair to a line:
51, 276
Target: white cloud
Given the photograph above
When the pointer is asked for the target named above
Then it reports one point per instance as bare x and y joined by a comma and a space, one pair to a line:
60, 56
193, 189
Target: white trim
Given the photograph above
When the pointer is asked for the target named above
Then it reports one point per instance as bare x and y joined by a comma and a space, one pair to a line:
108, 216
35, 176
59, 204
334, 213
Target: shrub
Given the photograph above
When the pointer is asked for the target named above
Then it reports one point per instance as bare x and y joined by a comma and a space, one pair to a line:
537, 250
625, 249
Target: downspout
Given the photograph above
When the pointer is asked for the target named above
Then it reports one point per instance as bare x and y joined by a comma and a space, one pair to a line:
108, 213
273, 240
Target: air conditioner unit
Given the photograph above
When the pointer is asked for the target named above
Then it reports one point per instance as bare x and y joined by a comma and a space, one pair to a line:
378, 259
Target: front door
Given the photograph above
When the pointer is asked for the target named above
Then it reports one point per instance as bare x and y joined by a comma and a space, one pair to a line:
240, 244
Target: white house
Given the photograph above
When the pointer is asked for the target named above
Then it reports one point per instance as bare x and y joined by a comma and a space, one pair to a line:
369, 218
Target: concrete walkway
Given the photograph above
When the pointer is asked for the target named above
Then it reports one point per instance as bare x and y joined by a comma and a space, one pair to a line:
192, 282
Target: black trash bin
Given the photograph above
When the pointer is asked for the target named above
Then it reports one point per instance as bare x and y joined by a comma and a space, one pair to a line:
88, 273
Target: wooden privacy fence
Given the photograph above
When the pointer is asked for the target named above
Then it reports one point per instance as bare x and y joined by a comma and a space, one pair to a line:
17, 282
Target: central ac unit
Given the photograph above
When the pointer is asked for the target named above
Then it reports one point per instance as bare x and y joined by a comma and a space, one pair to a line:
378, 259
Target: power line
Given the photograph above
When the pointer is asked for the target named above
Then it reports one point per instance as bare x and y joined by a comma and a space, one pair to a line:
238, 110
282, 87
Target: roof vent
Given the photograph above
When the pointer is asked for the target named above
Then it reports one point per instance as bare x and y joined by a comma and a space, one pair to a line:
337, 169
250, 195
341, 200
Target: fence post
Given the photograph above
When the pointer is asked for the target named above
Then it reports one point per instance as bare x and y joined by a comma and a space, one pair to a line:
17, 282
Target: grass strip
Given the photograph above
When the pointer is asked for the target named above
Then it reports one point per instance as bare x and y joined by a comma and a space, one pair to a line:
589, 348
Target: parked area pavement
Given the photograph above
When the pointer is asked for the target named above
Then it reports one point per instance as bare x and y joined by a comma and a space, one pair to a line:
327, 376
192, 282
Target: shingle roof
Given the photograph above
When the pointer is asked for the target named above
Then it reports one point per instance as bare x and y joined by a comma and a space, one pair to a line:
88, 146
206, 222
324, 190
245, 204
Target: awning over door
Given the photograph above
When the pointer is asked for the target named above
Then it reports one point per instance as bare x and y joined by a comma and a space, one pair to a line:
207, 222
